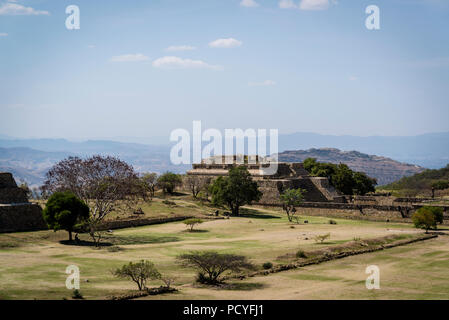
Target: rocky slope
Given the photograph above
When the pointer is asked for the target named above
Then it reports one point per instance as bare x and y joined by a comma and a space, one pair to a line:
385, 170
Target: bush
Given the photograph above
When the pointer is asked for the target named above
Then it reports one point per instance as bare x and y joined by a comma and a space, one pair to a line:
114, 249
211, 265
301, 254
192, 222
267, 265
427, 217
322, 237
77, 294
332, 222
138, 272
169, 203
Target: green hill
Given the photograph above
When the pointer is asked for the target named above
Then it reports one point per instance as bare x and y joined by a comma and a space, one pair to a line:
420, 183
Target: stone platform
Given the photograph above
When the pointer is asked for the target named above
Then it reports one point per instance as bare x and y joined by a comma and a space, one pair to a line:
287, 176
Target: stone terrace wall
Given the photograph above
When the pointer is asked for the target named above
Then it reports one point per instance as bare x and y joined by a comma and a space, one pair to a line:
26, 217
9, 192
271, 190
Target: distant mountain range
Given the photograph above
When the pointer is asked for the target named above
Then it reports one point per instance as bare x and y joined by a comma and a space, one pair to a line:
385, 170
29, 159
427, 150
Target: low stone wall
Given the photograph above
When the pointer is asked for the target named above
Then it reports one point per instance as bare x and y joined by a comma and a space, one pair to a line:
359, 211
25, 217
131, 223
355, 214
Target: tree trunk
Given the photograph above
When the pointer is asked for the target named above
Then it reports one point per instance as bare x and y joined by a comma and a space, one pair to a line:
70, 235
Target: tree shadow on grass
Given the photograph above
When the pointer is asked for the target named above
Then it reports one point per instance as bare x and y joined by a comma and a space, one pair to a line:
84, 243
241, 286
195, 231
251, 213
118, 240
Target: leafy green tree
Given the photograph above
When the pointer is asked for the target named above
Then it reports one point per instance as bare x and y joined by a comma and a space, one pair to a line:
211, 265
139, 272
427, 217
169, 181
63, 211
440, 185
235, 190
309, 164
341, 177
363, 183
290, 199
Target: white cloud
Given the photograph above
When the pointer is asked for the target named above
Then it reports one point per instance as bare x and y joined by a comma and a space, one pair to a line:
314, 4
15, 9
262, 84
137, 57
287, 4
171, 62
3, 34
181, 48
91, 46
249, 3
225, 43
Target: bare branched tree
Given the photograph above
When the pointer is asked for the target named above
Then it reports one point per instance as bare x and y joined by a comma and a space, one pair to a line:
196, 184
105, 184
149, 181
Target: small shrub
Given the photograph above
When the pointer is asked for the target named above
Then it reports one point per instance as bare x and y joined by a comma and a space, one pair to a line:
322, 237
332, 222
167, 281
138, 272
427, 217
301, 254
356, 239
267, 265
192, 222
211, 265
77, 294
169, 203
202, 278
114, 249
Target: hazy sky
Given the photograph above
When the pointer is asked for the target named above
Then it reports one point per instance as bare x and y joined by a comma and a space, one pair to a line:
143, 68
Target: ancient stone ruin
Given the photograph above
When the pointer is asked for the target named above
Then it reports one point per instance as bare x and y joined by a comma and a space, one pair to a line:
288, 175
16, 213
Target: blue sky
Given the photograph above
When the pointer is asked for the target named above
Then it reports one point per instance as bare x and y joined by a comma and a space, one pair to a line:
143, 68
